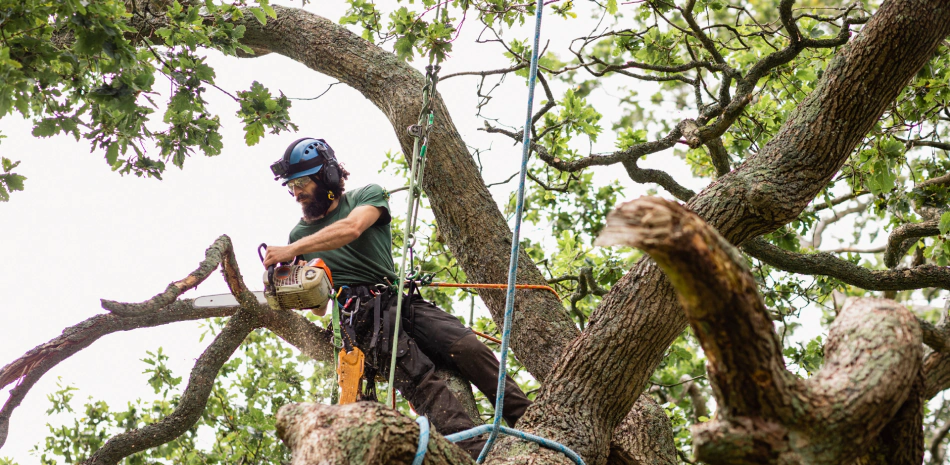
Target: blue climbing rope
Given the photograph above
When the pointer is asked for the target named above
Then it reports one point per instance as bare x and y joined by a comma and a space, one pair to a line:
423, 440
417, 167
480, 430
495, 428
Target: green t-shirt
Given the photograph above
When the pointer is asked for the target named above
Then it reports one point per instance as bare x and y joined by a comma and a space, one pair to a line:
366, 260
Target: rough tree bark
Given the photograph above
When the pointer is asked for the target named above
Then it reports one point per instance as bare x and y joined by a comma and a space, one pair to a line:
863, 406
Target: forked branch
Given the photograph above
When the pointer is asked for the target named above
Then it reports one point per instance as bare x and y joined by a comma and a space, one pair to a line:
193, 400
862, 405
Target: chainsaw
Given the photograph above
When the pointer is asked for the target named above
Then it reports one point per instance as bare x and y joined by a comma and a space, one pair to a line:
286, 287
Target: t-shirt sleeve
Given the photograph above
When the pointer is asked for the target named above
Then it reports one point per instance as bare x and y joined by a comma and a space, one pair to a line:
374, 195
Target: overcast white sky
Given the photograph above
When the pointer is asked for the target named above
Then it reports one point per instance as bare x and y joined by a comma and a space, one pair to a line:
79, 232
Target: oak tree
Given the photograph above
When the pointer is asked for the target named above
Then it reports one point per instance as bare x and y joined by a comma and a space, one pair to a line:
795, 116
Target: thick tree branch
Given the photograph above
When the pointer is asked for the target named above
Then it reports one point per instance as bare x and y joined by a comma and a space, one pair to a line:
904, 237
644, 437
826, 264
29, 368
359, 433
213, 257
193, 399
843, 413
719, 295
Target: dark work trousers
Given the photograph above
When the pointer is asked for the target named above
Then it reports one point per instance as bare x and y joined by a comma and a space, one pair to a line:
431, 338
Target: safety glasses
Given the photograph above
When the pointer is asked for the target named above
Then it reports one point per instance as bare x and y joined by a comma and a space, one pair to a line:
298, 183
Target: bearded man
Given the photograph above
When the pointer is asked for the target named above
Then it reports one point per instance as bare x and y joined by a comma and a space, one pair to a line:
350, 232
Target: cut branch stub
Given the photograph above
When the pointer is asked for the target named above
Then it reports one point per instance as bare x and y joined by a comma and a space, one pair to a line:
849, 411
357, 434
214, 255
720, 299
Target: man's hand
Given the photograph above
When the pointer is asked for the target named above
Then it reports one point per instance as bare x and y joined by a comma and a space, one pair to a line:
278, 253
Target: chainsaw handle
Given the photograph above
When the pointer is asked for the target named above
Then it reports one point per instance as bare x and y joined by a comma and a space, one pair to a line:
270, 269
260, 254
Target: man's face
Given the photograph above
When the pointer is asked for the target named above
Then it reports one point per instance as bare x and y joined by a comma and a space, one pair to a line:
312, 198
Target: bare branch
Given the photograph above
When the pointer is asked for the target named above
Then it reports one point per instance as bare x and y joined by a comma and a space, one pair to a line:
836, 216
904, 237
835, 202
510, 69
29, 368
825, 264
628, 157
661, 178
213, 257
193, 400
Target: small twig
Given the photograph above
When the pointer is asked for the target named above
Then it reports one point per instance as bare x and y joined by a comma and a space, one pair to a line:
679, 383
321, 93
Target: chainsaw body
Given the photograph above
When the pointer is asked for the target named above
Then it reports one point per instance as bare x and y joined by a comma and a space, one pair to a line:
298, 286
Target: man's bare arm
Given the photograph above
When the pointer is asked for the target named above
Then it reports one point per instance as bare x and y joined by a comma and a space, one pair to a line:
332, 237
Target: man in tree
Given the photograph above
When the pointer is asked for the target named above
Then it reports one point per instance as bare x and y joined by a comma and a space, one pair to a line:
350, 231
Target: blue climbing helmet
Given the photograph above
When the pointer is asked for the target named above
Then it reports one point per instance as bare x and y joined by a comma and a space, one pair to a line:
307, 157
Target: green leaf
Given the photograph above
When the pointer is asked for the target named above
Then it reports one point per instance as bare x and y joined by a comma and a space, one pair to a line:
612, 7
253, 133
945, 223
45, 128
112, 153
259, 14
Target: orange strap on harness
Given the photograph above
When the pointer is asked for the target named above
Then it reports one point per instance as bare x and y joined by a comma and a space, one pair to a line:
496, 286
349, 372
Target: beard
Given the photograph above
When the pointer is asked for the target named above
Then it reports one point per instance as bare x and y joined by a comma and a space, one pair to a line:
314, 206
